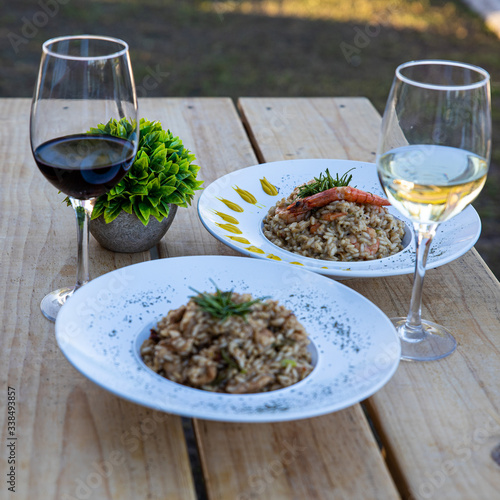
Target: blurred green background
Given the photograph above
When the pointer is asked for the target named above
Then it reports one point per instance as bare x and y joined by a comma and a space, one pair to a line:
267, 48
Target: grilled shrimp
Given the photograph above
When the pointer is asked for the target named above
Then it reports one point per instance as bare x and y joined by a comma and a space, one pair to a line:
297, 211
346, 193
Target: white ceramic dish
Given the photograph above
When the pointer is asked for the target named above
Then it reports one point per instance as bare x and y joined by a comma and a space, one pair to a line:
452, 240
100, 330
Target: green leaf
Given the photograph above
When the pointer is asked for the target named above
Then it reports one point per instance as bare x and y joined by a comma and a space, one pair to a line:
173, 169
154, 199
145, 209
157, 167
141, 163
119, 188
112, 212
159, 217
197, 185
153, 183
170, 181
163, 209
127, 207
166, 190
140, 216
185, 189
194, 169
160, 152
180, 176
99, 207
177, 199
138, 189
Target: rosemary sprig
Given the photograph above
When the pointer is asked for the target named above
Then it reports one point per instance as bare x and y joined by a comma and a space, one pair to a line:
323, 182
221, 305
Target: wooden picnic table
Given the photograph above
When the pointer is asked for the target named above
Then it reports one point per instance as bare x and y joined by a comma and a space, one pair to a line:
432, 432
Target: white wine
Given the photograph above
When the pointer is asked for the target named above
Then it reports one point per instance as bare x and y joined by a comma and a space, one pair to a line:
429, 183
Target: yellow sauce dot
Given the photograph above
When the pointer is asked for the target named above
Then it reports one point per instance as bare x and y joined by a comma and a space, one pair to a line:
274, 257
297, 263
324, 267
230, 228
255, 249
227, 218
248, 197
268, 187
239, 239
230, 204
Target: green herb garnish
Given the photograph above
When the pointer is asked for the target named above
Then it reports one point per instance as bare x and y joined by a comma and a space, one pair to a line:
231, 363
286, 362
323, 182
221, 305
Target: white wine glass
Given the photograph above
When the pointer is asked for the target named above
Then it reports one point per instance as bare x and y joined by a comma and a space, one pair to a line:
432, 161
83, 81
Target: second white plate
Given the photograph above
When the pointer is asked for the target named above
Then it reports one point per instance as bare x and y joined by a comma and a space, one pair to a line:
234, 218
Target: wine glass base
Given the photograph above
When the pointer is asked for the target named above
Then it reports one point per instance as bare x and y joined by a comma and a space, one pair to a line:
435, 343
53, 301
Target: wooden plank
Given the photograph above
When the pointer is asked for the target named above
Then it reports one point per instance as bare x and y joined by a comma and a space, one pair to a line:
331, 456
452, 405
211, 129
74, 440
294, 128
439, 421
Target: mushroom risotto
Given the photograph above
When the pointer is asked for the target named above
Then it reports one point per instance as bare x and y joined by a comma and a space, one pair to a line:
229, 342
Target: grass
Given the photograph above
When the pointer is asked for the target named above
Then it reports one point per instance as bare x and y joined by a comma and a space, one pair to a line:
271, 48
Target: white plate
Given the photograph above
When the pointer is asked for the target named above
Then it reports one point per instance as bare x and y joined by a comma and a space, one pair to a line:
452, 240
101, 328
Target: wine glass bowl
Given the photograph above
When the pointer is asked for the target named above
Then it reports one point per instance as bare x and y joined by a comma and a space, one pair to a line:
432, 161
83, 81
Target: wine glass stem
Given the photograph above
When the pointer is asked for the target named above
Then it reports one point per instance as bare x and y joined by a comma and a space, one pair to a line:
83, 209
413, 330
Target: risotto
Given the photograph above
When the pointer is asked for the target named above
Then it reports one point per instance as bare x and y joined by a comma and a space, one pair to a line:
339, 231
263, 350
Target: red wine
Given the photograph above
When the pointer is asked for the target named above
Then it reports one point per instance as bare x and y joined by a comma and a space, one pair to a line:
84, 166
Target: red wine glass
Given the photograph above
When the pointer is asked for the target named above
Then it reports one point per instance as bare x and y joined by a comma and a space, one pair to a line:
83, 81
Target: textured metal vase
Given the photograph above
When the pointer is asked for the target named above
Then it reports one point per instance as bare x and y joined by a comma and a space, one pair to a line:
127, 234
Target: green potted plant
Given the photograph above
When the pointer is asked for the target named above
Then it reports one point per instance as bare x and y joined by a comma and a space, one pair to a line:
137, 212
